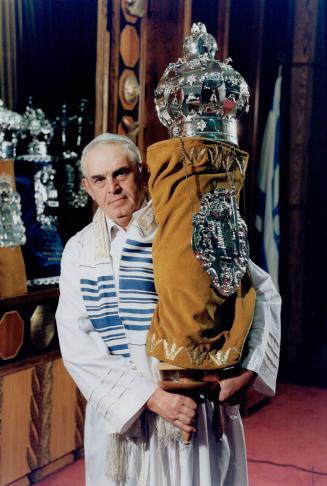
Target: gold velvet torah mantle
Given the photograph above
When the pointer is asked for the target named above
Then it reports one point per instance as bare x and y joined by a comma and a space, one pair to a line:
193, 326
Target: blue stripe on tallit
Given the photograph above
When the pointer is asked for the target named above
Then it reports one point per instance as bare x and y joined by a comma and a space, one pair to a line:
136, 311
123, 268
139, 251
139, 244
137, 298
99, 297
135, 259
132, 327
95, 282
133, 284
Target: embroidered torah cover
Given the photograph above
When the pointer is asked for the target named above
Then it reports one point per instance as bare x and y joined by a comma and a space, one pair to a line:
193, 326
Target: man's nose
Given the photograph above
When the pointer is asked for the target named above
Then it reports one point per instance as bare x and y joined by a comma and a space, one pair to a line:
112, 185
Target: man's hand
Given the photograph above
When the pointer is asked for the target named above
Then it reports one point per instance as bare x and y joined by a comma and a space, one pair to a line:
176, 409
232, 390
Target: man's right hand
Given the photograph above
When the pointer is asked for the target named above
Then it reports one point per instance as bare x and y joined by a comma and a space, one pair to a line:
176, 409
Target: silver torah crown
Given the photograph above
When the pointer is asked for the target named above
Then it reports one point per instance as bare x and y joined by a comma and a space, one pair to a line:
200, 96
38, 128
10, 124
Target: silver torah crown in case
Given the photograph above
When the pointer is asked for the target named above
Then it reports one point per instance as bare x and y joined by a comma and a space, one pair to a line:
10, 124
200, 96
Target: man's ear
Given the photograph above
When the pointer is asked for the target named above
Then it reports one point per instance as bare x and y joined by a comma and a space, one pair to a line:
86, 186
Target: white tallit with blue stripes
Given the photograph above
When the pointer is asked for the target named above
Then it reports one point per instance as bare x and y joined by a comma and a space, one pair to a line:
120, 316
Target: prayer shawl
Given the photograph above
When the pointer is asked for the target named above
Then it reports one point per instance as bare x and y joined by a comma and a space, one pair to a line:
124, 317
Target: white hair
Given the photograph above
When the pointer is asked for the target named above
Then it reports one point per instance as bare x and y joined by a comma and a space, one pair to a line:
112, 138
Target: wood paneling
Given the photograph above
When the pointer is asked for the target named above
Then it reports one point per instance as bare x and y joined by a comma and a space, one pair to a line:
223, 28
63, 412
15, 425
302, 72
163, 45
41, 419
102, 69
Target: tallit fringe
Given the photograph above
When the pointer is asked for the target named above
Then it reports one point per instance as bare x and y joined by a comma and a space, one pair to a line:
119, 451
168, 436
124, 450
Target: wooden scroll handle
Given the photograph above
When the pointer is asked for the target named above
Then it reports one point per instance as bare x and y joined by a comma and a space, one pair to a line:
185, 382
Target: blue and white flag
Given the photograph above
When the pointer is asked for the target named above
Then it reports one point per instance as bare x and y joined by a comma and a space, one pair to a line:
267, 217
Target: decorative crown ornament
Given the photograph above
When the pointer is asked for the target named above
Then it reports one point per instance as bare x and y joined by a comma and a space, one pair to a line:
199, 95
10, 123
39, 128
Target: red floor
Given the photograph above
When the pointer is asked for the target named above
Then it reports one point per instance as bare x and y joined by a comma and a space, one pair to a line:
286, 442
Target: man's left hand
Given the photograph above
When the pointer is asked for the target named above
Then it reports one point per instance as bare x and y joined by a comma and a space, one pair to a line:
232, 390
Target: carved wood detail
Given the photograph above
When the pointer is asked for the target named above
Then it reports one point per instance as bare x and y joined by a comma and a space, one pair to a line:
129, 89
11, 334
38, 454
129, 46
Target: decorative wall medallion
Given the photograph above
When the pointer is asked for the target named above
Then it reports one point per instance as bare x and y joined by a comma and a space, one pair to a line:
135, 7
129, 46
129, 127
11, 334
129, 89
129, 18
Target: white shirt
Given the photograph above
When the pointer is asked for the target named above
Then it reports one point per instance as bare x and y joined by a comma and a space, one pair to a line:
117, 238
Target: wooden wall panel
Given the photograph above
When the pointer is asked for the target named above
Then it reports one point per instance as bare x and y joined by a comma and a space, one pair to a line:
16, 391
164, 45
41, 420
63, 424
102, 70
302, 73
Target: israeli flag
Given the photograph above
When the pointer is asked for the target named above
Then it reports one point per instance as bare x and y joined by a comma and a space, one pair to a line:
267, 217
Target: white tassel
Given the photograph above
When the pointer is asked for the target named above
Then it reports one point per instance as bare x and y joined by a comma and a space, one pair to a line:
168, 435
119, 451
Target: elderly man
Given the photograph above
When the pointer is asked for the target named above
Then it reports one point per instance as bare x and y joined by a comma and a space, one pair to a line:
107, 298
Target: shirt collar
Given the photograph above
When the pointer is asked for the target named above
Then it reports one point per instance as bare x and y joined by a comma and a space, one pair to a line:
114, 227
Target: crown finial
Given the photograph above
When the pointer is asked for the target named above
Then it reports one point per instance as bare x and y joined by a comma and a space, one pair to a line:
199, 95
199, 43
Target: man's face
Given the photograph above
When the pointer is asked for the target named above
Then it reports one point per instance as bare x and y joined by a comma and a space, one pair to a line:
113, 181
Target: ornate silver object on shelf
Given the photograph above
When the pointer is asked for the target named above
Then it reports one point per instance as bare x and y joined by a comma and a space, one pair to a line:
46, 197
10, 123
76, 196
198, 95
37, 127
12, 231
219, 240
35, 124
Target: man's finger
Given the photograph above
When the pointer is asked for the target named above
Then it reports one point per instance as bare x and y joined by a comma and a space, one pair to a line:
181, 426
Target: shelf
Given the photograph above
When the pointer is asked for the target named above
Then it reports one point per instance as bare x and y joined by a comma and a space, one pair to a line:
35, 295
